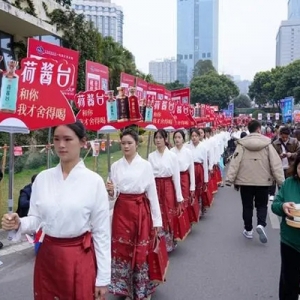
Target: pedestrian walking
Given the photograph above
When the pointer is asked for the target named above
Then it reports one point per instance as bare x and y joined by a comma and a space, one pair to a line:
254, 165
290, 236
136, 220
70, 204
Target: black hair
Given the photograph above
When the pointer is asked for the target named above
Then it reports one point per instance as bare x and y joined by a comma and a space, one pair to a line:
78, 128
285, 130
195, 130
243, 134
295, 166
131, 132
1, 175
164, 134
180, 132
33, 178
253, 126
208, 130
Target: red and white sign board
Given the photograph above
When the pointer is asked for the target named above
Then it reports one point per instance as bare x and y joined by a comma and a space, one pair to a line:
181, 95
38, 49
40, 101
96, 76
18, 151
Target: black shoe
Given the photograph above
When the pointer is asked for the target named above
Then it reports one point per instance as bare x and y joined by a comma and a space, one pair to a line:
1, 245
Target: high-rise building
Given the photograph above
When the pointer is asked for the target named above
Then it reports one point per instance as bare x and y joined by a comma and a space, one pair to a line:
294, 10
106, 16
288, 42
197, 35
163, 70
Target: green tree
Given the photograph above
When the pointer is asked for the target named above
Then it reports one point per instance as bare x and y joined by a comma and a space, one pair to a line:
203, 67
242, 101
146, 77
174, 85
288, 84
213, 89
264, 87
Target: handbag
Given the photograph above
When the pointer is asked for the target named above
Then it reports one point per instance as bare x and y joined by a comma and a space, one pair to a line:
158, 260
182, 226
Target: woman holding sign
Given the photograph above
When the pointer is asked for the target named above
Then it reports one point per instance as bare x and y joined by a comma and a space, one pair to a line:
70, 205
136, 220
166, 170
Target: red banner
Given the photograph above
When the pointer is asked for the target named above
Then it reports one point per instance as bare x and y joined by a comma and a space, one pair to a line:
141, 89
39, 49
92, 109
127, 81
182, 116
96, 76
157, 90
40, 102
182, 95
163, 114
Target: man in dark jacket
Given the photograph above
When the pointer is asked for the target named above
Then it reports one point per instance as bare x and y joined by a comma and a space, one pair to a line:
24, 199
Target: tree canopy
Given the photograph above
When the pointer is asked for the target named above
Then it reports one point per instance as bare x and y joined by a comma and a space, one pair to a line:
214, 89
276, 84
203, 67
174, 85
242, 101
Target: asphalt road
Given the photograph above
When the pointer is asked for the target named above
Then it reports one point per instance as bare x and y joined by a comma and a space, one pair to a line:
214, 262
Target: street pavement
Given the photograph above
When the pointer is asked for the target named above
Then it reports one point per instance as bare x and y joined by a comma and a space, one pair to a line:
214, 262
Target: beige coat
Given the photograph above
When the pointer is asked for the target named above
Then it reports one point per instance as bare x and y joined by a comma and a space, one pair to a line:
255, 162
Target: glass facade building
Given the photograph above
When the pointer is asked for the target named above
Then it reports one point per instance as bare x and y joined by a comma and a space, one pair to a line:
107, 17
294, 10
197, 35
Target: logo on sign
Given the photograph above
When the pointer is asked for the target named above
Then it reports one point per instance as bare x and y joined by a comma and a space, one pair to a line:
93, 69
40, 50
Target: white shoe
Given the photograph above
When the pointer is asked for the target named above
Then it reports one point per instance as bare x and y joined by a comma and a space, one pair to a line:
271, 198
262, 235
248, 234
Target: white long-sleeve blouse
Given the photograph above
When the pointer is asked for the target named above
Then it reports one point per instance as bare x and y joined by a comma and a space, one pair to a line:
186, 162
137, 178
70, 207
199, 154
167, 165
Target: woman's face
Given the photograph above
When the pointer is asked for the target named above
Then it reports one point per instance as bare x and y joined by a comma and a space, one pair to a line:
178, 139
195, 138
128, 145
67, 145
159, 141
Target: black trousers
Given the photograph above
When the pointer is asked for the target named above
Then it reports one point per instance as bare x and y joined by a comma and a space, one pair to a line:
259, 196
290, 273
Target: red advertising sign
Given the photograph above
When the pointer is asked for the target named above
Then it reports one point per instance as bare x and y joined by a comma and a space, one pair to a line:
141, 89
92, 109
96, 76
163, 113
40, 102
182, 116
127, 81
158, 90
38, 49
168, 95
182, 95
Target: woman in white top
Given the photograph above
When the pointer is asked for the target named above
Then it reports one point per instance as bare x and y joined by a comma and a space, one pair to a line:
136, 220
167, 177
186, 166
199, 152
70, 203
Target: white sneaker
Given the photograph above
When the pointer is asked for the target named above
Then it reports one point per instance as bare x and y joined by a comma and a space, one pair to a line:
248, 234
271, 198
262, 235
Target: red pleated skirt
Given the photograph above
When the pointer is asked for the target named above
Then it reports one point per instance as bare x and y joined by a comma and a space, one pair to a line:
168, 206
199, 180
65, 268
132, 237
185, 190
218, 174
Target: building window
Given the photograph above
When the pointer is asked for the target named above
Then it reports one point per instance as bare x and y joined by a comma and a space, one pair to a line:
203, 55
186, 56
191, 56
209, 55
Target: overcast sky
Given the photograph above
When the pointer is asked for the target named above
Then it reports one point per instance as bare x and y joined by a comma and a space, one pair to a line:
247, 32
